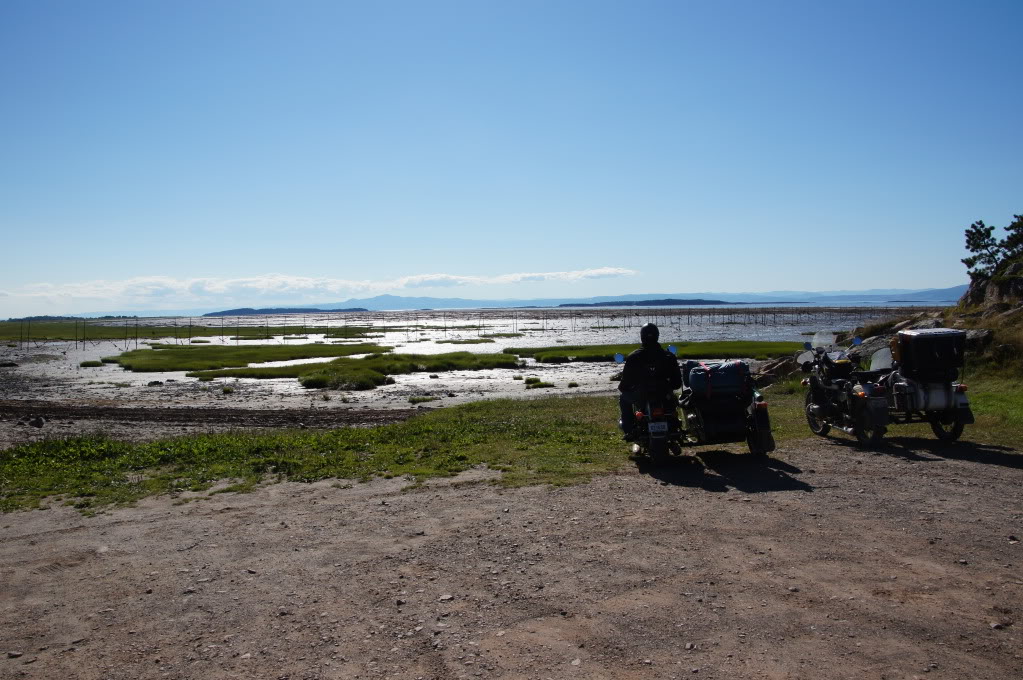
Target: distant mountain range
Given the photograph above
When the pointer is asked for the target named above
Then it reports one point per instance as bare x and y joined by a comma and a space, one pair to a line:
929, 296
264, 311
874, 296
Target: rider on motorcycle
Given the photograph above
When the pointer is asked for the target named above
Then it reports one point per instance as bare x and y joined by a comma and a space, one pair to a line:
650, 369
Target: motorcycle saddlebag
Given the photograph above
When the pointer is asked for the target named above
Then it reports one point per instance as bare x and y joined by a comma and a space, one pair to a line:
727, 379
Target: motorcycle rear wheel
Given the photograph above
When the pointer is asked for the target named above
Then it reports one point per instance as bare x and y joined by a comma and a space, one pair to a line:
867, 434
817, 426
658, 449
946, 433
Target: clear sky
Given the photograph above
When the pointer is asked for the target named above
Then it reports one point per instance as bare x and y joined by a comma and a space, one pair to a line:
183, 153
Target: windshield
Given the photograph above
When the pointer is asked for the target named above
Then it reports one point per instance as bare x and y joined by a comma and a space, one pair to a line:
823, 339
881, 359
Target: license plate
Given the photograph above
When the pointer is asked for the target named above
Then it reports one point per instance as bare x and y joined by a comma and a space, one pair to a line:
661, 428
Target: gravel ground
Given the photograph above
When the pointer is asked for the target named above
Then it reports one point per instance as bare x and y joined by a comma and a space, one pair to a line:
825, 561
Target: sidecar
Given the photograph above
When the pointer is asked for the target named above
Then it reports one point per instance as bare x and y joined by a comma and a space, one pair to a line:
921, 375
720, 405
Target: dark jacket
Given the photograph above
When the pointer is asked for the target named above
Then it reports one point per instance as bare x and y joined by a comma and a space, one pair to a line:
651, 369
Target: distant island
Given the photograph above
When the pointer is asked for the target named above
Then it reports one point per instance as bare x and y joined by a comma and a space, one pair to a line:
249, 311
666, 302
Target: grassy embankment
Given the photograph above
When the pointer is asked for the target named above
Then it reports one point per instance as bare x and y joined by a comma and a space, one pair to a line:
732, 349
549, 440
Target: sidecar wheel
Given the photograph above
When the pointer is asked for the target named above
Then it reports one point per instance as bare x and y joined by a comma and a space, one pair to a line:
756, 446
946, 433
817, 426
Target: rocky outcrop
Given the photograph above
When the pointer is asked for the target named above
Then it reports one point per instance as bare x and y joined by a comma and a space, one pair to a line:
999, 293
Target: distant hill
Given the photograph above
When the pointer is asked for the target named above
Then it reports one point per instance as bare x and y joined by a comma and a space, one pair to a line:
665, 302
249, 311
930, 296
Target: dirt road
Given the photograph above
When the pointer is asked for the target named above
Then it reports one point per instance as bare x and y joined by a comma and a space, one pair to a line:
826, 562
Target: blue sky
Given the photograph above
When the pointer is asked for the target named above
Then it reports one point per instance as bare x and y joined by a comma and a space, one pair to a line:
170, 154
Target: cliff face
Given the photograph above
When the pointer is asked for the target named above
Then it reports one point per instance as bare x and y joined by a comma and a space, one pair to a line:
1004, 289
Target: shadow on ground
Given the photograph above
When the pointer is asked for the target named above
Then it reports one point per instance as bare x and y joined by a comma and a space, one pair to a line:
719, 470
923, 449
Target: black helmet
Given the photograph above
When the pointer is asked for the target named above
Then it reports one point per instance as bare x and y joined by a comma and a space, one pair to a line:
648, 334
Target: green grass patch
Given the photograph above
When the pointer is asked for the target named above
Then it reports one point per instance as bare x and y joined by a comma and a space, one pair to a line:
538, 385
198, 341
166, 357
573, 384
367, 372
731, 349
503, 335
550, 440
532, 380
91, 364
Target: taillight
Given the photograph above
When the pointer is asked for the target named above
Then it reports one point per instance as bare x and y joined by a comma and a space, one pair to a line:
804, 382
961, 388
762, 404
861, 394
640, 415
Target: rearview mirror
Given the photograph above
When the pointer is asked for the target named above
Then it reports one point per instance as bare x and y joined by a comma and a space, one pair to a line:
857, 340
807, 346
673, 349
619, 358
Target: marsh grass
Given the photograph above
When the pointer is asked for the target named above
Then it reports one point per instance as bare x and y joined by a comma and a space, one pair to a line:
539, 385
167, 357
91, 364
367, 372
733, 349
503, 335
551, 440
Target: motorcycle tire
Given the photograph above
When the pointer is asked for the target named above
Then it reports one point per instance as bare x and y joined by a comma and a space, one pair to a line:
658, 450
817, 426
946, 433
866, 434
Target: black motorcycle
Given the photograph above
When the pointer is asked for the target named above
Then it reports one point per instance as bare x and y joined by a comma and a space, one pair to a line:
658, 429
840, 395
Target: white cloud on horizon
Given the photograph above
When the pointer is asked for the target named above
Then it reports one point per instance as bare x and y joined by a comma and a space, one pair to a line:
156, 292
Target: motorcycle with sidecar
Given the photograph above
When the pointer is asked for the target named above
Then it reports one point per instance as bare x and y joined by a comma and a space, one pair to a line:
919, 374
718, 404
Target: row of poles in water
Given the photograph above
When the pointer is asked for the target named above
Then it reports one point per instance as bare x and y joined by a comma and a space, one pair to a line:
460, 322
